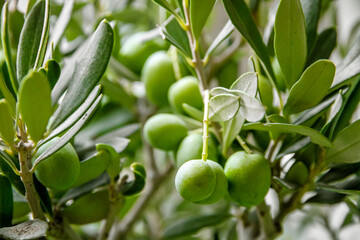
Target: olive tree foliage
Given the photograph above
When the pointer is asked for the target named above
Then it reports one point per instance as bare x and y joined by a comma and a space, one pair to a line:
140, 119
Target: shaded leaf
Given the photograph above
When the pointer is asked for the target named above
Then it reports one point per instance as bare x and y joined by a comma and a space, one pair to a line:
231, 130
6, 202
339, 172
7, 94
114, 167
43, 193
290, 40
167, 6
89, 68
325, 44
346, 145
7, 167
137, 179
190, 225
32, 229
315, 136
35, 104
122, 70
240, 15
246, 83
199, 13
223, 107
30, 39
311, 9
312, 87
53, 72
7, 132
172, 32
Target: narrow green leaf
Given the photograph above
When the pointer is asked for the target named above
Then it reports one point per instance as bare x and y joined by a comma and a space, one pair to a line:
88, 71
325, 44
311, 9
35, 104
60, 26
7, 94
123, 70
167, 6
44, 37
290, 40
346, 145
6, 202
312, 87
53, 71
172, 32
114, 167
7, 132
248, 83
338, 190
231, 129
240, 16
44, 196
5, 41
223, 107
315, 136
69, 134
38, 227
199, 13
193, 112
8, 168
92, 167
339, 172
349, 67
190, 225
30, 39
225, 32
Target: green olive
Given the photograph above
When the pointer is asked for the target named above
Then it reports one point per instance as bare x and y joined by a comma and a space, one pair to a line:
249, 178
195, 180
89, 208
158, 75
298, 173
221, 184
186, 90
60, 170
137, 48
191, 148
164, 131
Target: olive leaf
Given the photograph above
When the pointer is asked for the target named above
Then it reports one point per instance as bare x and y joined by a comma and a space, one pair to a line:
167, 6
290, 40
248, 83
312, 87
6, 202
346, 145
311, 9
325, 44
136, 180
199, 13
35, 109
193, 112
7, 132
223, 107
231, 130
315, 136
89, 68
8, 168
7, 94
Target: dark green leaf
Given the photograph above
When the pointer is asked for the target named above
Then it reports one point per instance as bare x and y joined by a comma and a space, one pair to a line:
69, 134
284, 183
88, 71
53, 71
231, 130
167, 6
246, 83
7, 167
290, 40
199, 13
114, 167
312, 87
32, 229
223, 107
315, 136
60, 26
172, 32
7, 94
35, 104
7, 48
6, 202
346, 145
30, 39
136, 180
339, 172
311, 9
240, 16
193, 112
349, 67
338, 190
7, 132
325, 44
92, 167
225, 32
44, 196
190, 225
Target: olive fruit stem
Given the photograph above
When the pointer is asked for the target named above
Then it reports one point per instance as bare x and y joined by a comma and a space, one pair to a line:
243, 145
31, 195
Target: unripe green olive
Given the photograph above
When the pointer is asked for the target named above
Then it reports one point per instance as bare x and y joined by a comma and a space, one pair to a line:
185, 90
164, 131
89, 208
298, 173
191, 148
249, 178
137, 48
60, 170
158, 75
221, 184
195, 180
